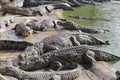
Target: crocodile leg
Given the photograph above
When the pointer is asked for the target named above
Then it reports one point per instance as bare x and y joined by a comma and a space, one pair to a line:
89, 59
74, 41
56, 65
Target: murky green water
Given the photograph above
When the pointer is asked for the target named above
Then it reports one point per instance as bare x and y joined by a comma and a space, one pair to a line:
110, 10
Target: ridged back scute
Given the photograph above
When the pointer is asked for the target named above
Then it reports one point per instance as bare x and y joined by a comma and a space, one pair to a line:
101, 55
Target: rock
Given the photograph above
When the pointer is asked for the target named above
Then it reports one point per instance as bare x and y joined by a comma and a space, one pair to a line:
99, 71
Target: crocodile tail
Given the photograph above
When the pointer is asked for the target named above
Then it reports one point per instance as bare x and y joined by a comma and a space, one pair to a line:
64, 6
70, 74
14, 45
105, 56
99, 41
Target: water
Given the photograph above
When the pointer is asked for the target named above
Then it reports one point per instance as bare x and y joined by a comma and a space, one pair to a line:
110, 10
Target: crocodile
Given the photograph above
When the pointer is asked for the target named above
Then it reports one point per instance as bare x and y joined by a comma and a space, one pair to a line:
42, 26
71, 74
66, 56
47, 23
14, 45
33, 11
60, 40
87, 18
74, 26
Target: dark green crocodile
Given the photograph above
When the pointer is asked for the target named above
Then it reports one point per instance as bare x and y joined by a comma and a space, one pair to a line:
66, 56
14, 45
65, 39
87, 18
46, 75
74, 26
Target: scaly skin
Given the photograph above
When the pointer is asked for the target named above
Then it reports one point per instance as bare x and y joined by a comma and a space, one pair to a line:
33, 11
22, 29
61, 40
65, 55
118, 75
74, 26
42, 26
14, 45
47, 75
87, 18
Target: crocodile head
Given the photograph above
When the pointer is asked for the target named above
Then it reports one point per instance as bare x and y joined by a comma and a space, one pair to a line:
47, 23
22, 29
29, 52
29, 58
32, 64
